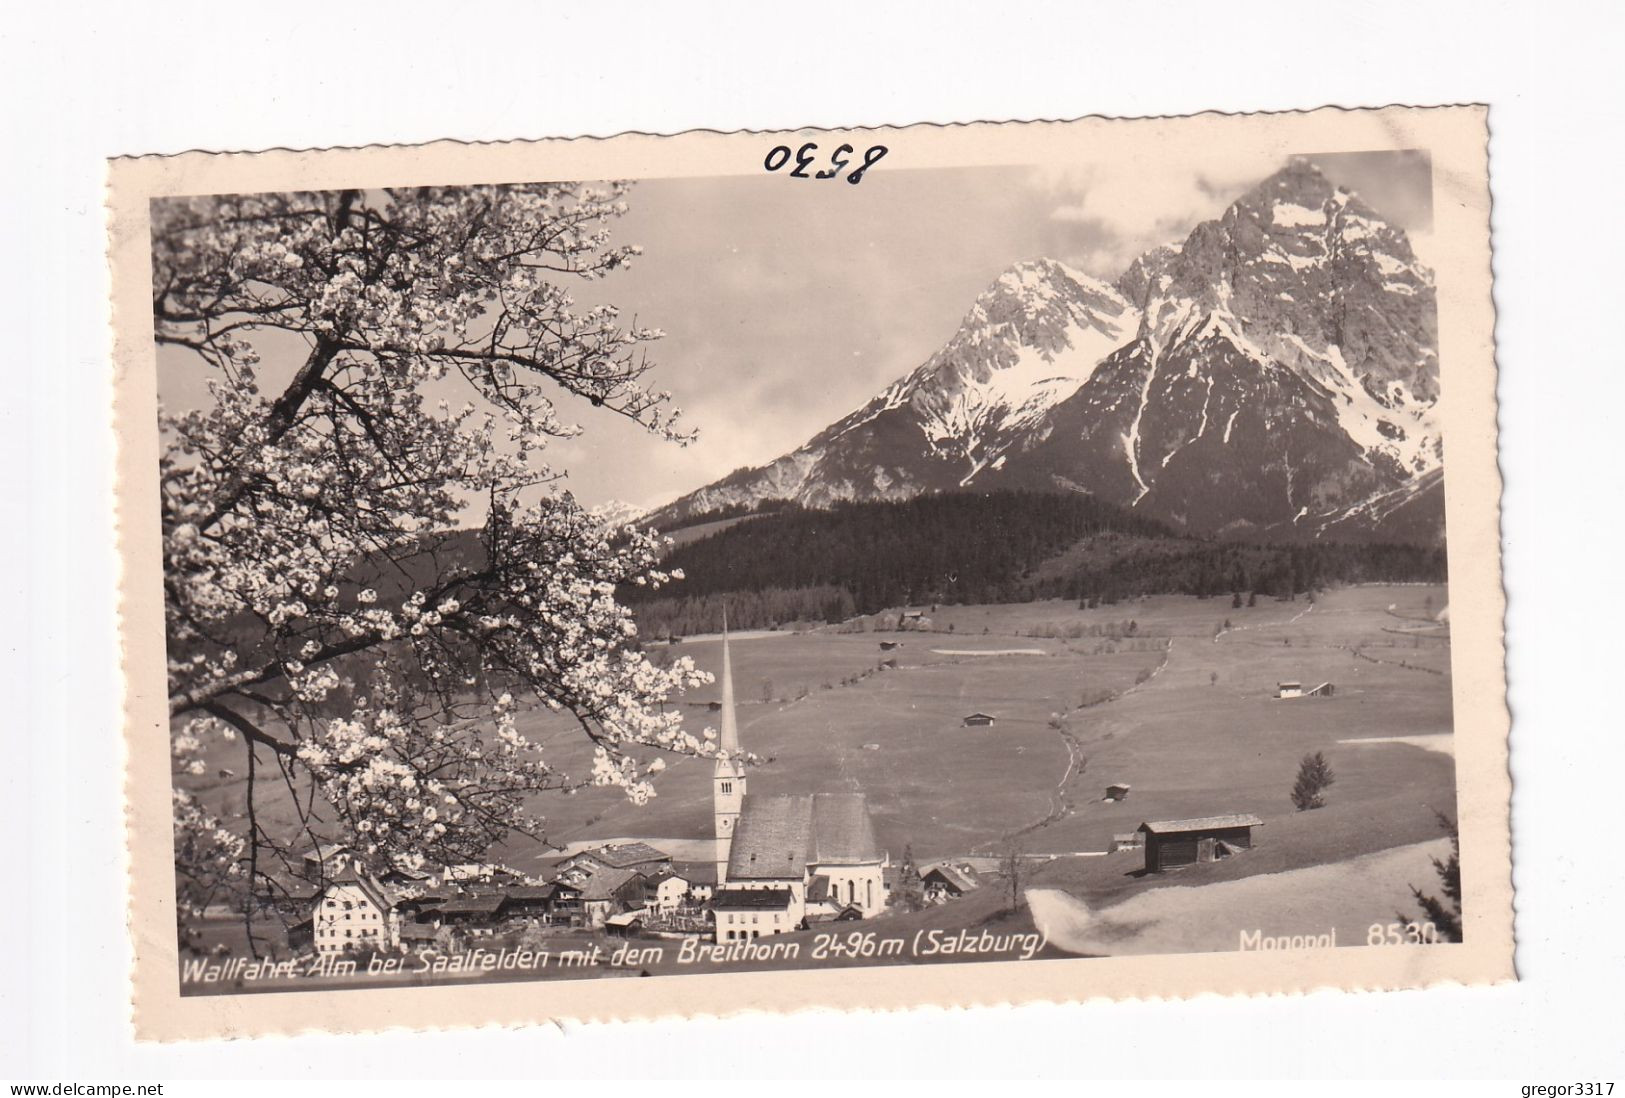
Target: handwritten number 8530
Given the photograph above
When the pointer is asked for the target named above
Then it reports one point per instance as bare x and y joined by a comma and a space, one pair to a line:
780, 155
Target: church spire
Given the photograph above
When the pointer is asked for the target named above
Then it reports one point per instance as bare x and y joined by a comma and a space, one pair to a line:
728, 782
730, 723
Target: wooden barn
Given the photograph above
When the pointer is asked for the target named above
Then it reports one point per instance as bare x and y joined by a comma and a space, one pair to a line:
1117, 791
978, 720
1296, 690
1173, 843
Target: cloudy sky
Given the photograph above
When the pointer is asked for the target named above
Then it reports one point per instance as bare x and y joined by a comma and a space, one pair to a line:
788, 303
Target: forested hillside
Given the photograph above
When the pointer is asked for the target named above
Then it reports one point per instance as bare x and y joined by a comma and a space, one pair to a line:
858, 558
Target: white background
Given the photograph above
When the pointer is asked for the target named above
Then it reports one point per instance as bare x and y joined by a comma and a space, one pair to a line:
84, 82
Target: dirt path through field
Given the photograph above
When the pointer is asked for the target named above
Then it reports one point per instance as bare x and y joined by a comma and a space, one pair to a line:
1060, 804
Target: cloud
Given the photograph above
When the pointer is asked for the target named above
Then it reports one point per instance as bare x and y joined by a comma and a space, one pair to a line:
1104, 215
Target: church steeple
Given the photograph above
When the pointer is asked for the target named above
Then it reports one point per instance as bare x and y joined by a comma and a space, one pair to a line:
728, 781
729, 739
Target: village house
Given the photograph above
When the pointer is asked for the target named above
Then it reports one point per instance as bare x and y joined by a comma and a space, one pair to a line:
530, 902
745, 913
477, 913
947, 881
664, 890
353, 912
607, 892
1173, 843
635, 855
325, 861
701, 878
567, 904
418, 936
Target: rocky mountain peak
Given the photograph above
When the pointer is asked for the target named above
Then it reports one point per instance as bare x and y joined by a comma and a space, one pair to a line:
1273, 370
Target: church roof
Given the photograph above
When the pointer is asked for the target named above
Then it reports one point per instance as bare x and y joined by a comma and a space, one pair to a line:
778, 837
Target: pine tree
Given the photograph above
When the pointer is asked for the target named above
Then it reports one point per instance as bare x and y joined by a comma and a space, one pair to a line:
1314, 778
1446, 918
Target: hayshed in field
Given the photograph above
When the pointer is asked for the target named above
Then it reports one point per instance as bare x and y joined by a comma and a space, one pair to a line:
978, 720
1173, 843
1296, 690
1117, 791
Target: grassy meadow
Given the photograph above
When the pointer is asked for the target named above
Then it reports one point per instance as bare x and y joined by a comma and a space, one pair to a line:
1184, 710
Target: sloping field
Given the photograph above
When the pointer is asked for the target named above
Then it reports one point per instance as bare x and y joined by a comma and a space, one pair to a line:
1190, 721
1341, 900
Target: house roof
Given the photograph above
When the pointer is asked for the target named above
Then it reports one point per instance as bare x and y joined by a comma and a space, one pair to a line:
1118, 785
779, 837
602, 884
625, 855
325, 851
625, 918
959, 879
531, 892
1200, 823
485, 903
697, 873
752, 898
370, 886
417, 932
818, 889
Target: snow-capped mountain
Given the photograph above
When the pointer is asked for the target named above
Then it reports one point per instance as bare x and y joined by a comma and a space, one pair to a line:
1275, 372
616, 513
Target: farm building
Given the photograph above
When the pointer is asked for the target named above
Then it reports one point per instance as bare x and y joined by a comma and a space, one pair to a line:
625, 924
1296, 690
946, 882
1173, 843
1128, 840
978, 720
529, 902
477, 911
888, 646
1117, 791
631, 855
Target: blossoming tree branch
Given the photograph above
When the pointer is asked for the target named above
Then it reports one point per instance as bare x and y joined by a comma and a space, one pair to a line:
368, 568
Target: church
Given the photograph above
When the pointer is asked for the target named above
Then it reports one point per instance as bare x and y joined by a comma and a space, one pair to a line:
786, 859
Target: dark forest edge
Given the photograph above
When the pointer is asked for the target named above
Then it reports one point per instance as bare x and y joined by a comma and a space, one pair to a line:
796, 564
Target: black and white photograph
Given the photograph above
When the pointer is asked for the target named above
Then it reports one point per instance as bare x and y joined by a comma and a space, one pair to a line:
811, 548
595, 579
